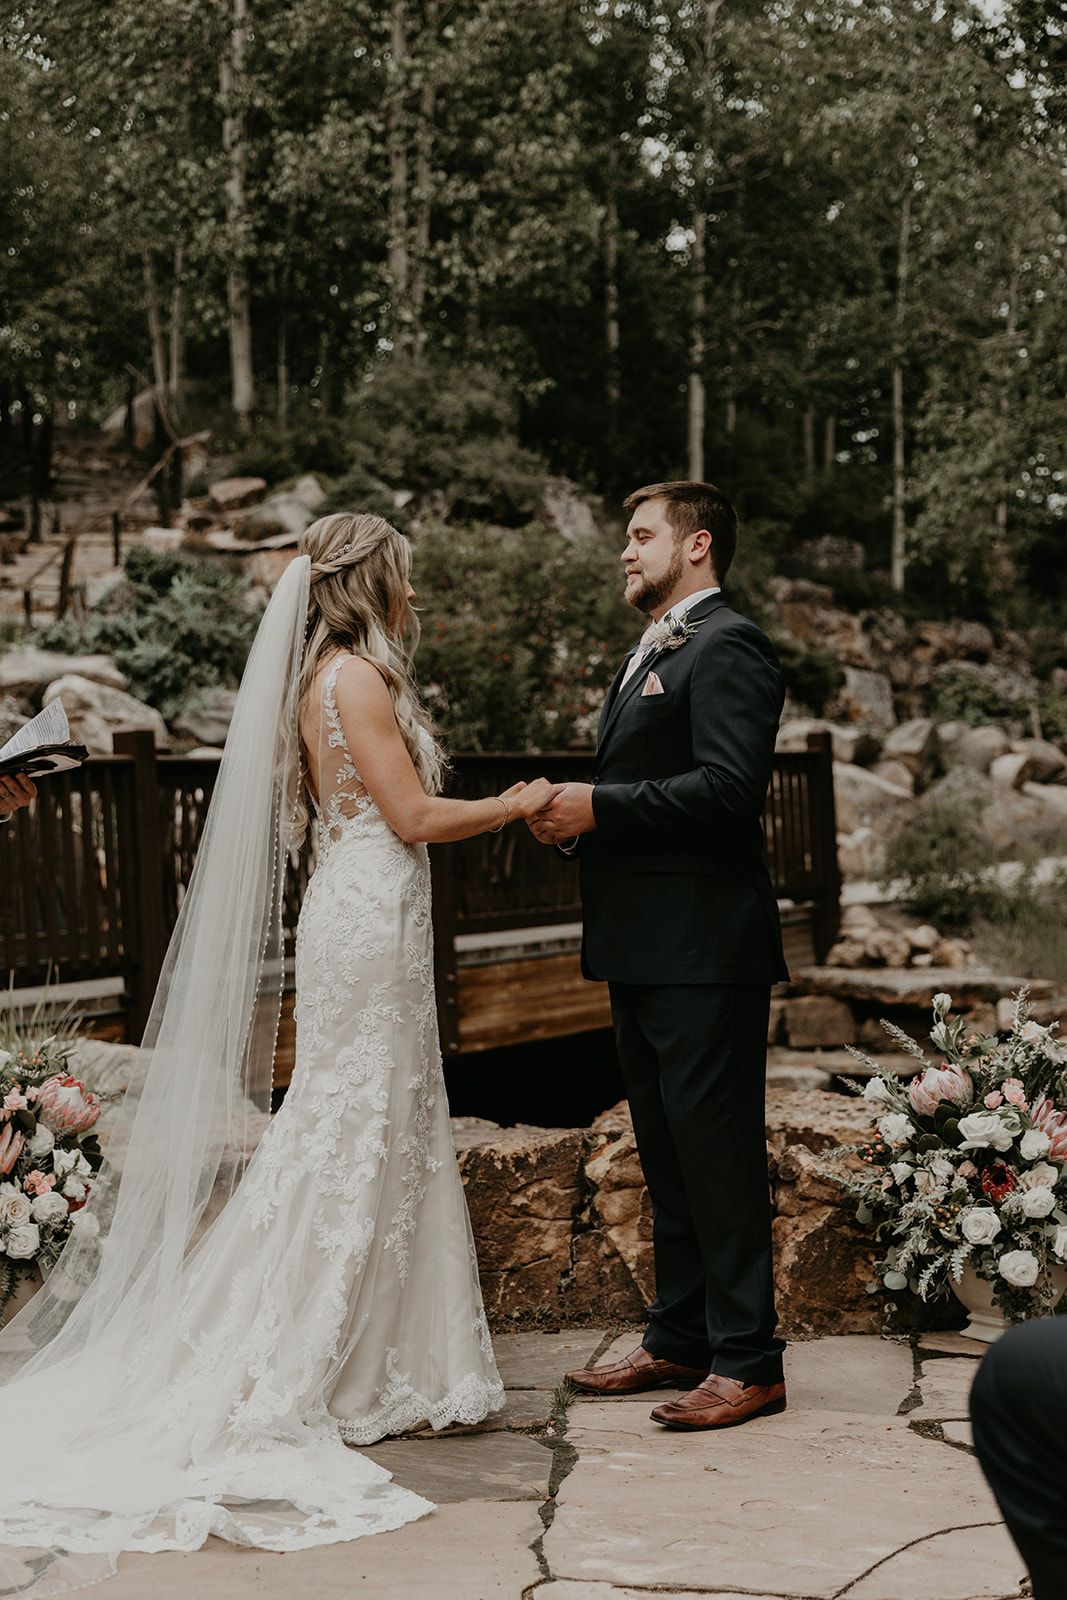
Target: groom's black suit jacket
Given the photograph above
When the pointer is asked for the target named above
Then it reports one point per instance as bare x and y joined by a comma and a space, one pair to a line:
673, 881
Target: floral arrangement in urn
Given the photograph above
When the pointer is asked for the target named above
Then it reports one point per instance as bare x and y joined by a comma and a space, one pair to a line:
967, 1164
49, 1158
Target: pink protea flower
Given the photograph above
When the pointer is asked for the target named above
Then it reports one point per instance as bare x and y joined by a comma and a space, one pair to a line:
926, 1092
10, 1148
1015, 1094
66, 1106
1048, 1120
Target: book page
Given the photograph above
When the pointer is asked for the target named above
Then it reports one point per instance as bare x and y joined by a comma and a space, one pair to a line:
50, 726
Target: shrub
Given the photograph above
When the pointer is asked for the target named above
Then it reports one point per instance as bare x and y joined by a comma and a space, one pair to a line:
522, 633
812, 677
945, 862
174, 626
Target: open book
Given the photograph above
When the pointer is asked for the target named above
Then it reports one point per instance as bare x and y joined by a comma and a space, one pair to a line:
43, 745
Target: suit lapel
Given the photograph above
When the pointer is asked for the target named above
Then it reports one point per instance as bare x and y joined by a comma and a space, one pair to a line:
618, 696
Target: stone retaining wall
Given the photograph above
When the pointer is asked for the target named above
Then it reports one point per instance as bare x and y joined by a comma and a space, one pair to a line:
563, 1225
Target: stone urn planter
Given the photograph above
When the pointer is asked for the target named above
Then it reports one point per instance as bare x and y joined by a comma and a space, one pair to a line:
26, 1286
985, 1321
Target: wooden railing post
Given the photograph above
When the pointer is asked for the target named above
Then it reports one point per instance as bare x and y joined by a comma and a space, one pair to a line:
827, 918
145, 854
443, 884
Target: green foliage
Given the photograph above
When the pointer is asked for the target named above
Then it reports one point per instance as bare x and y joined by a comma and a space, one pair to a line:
962, 692
175, 626
1025, 930
944, 861
277, 453
812, 677
522, 633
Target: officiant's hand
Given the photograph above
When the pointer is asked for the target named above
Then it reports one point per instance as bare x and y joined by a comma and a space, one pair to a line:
15, 790
568, 814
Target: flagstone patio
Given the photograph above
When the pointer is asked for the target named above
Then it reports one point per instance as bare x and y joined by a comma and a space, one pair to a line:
865, 1488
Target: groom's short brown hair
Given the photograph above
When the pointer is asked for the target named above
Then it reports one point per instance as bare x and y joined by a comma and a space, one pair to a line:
691, 506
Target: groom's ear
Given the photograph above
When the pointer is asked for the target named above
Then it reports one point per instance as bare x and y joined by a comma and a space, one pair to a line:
700, 549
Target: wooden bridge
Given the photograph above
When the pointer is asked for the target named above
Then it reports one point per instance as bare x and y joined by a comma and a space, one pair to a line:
92, 876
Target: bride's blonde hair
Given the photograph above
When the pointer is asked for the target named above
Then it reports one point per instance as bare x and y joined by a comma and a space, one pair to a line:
358, 603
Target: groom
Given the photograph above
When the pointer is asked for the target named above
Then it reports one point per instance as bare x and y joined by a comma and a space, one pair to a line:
681, 920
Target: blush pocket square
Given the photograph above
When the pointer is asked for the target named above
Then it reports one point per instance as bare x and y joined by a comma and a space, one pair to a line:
652, 686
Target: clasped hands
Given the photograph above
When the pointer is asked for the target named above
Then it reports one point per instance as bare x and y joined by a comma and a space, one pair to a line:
554, 812
15, 790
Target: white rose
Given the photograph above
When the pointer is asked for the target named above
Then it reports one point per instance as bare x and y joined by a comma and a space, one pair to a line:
74, 1189
1059, 1242
42, 1143
942, 1002
1032, 1032
979, 1224
82, 1168
942, 1168
1037, 1202
85, 1223
985, 1130
895, 1128
65, 1161
1040, 1176
5, 1057
23, 1243
876, 1091
1019, 1268
902, 1171
49, 1208
1034, 1144
14, 1206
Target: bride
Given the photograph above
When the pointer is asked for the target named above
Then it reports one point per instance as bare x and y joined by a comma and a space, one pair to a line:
162, 1386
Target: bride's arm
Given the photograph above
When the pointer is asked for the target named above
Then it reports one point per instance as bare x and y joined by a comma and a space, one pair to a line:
387, 773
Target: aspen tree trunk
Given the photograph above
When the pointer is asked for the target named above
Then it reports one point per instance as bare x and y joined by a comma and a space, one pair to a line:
399, 262
698, 251
155, 321
829, 444
809, 447
234, 143
898, 548
177, 323
611, 293
283, 372
733, 343
1001, 565
423, 182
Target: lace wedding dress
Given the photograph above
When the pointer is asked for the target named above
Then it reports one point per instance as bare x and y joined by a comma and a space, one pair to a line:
334, 1299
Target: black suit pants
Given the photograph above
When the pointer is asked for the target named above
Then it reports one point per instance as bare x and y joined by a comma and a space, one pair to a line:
1019, 1414
693, 1059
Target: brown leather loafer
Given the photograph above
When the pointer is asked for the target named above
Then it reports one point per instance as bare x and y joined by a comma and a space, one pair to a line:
721, 1403
635, 1373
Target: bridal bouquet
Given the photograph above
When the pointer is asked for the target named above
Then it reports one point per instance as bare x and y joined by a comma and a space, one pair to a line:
49, 1157
966, 1164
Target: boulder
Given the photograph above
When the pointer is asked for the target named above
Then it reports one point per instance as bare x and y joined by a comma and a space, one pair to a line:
209, 721
94, 711
863, 800
861, 855
234, 494
278, 515
1032, 817
867, 697
858, 916
566, 510
12, 718
852, 744
1046, 763
623, 1209
952, 641
814, 1021
914, 745
949, 735
980, 747
27, 671
309, 490
1012, 769
830, 552
896, 773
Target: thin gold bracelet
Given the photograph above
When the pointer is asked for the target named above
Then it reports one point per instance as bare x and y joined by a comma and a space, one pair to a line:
507, 814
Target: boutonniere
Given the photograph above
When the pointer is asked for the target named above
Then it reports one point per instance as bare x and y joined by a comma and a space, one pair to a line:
671, 634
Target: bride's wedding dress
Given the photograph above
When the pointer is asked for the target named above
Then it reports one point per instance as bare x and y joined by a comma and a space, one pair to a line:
334, 1299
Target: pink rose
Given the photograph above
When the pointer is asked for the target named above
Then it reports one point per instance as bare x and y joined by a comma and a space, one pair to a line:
66, 1106
10, 1148
930, 1088
968, 1169
993, 1099
36, 1182
14, 1101
1016, 1094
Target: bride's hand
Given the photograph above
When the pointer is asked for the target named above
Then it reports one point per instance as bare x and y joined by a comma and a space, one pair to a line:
527, 799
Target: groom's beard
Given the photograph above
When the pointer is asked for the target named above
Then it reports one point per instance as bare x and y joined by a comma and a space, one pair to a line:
650, 593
